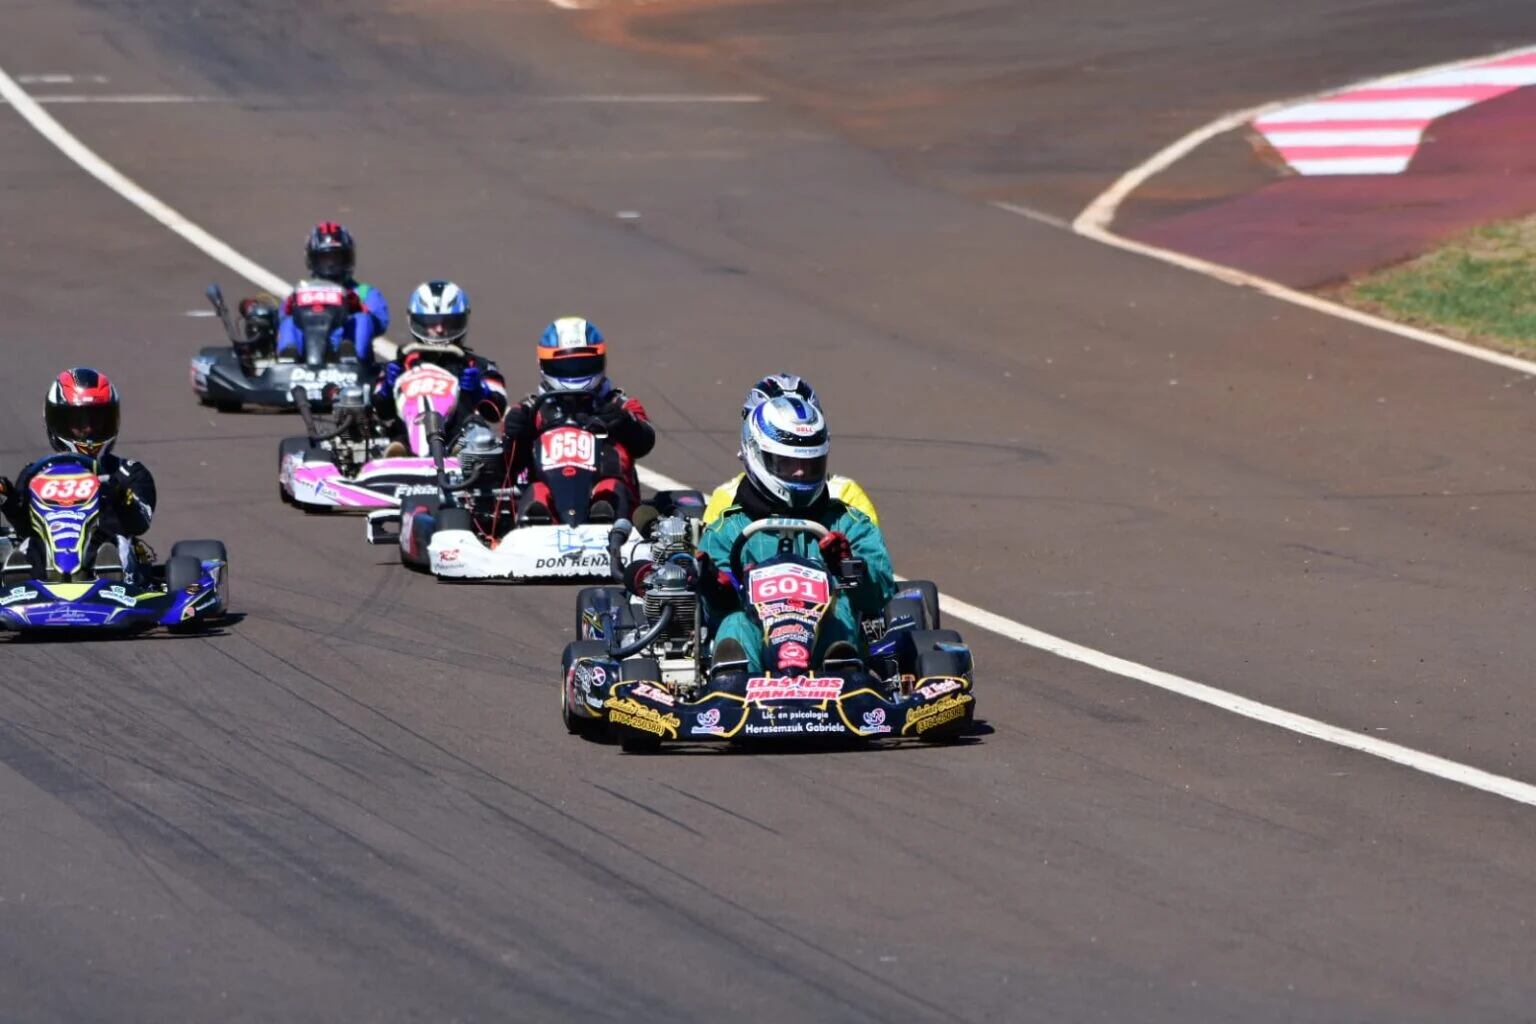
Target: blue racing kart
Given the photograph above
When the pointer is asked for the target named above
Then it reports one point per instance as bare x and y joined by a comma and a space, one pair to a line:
56, 584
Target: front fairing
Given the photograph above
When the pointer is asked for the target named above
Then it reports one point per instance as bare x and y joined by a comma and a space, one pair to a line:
788, 596
64, 508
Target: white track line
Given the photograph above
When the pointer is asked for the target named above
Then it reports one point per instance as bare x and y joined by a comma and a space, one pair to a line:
124, 186
1095, 222
1465, 775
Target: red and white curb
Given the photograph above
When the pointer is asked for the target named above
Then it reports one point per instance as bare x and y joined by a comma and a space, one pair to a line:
1377, 127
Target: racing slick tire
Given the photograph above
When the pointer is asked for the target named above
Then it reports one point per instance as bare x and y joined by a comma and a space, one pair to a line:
640, 670
206, 551
451, 517
909, 609
575, 724
943, 663
600, 599
636, 670
228, 405
930, 598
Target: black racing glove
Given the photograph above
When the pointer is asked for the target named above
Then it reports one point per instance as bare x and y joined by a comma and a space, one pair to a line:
518, 422
606, 418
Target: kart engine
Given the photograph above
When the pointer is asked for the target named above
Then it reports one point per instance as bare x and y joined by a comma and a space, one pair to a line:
673, 583
480, 454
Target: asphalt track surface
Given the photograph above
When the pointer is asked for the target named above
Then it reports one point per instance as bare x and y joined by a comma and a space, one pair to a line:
358, 803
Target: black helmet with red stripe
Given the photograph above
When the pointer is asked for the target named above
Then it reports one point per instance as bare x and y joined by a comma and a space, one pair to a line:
330, 253
81, 412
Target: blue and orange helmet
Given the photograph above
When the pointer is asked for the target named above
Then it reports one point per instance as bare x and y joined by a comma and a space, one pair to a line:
81, 412
573, 357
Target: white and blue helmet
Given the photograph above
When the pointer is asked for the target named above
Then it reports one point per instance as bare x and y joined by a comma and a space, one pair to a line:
784, 446
573, 357
439, 313
776, 384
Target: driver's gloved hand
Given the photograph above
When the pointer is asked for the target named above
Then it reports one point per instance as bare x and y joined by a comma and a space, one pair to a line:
834, 548
715, 585
470, 378
391, 374
517, 421
606, 418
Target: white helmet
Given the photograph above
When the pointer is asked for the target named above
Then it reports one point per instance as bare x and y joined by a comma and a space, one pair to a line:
784, 446
776, 384
439, 313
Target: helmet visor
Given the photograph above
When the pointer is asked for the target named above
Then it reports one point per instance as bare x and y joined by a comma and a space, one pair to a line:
796, 471
439, 327
82, 424
574, 367
331, 264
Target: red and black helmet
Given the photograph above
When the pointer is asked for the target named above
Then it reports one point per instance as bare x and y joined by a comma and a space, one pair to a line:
81, 412
330, 253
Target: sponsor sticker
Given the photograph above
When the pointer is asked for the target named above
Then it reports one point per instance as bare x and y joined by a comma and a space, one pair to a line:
117, 594
782, 728
789, 631
652, 692
707, 724
874, 721
794, 688
16, 595
942, 711
933, 688
794, 655
629, 712
573, 561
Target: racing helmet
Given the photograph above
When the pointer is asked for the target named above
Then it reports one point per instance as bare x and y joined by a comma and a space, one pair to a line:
330, 253
573, 357
260, 316
784, 446
776, 384
439, 313
81, 412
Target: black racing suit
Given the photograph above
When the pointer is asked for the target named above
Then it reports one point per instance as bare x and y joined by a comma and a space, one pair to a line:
127, 504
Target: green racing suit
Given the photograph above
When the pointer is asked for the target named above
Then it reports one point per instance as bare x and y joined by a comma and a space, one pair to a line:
842, 620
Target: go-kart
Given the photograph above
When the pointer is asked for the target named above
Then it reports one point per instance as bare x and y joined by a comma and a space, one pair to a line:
342, 463
641, 670
246, 372
469, 530
54, 584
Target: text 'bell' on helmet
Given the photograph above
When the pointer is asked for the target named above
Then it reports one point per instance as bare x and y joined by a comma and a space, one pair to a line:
439, 313
776, 384
784, 446
572, 356
81, 412
330, 253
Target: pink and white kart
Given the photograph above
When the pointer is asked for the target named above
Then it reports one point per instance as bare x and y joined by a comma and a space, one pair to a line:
347, 469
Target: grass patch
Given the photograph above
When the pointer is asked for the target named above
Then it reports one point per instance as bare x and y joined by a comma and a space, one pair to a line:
1480, 287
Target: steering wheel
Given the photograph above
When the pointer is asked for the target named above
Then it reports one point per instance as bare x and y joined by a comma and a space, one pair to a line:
785, 528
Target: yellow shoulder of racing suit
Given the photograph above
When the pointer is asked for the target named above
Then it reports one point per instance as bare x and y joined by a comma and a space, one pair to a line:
844, 489
721, 498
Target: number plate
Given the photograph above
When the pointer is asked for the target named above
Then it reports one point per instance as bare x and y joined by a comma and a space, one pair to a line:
567, 448
789, 583
74, 489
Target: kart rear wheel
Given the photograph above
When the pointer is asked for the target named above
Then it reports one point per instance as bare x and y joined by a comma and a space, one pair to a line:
640, 670
943, 663
578, 725
601, 599
181, 572
452, 518
909, 608
930, 598
207, 551
228, 405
